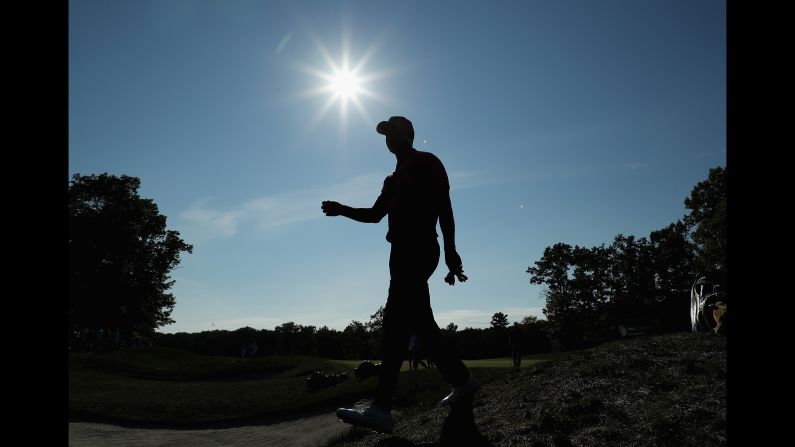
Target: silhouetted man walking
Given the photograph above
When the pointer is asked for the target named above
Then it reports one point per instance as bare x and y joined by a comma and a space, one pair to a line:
414, 197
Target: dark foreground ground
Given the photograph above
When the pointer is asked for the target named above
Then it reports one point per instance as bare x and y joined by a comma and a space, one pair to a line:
667, 390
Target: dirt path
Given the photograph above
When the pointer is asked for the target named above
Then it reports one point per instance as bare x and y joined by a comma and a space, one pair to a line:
307, 431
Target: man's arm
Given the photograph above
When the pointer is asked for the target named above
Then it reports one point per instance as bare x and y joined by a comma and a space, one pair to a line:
447, 224
365, 215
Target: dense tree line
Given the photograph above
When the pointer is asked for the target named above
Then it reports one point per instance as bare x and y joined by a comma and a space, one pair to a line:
591, 292
358, 340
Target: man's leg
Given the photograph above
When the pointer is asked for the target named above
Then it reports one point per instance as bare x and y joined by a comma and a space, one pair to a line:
450, 366
407, 266
395, 341
410, 266
378, 416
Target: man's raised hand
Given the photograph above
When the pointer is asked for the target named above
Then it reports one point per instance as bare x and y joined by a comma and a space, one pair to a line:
331, 208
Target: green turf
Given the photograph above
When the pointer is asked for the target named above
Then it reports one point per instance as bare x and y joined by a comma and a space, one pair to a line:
161, 385
507, 362
500, 362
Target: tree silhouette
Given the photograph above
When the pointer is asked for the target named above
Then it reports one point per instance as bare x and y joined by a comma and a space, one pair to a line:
589, 291
674, 260
287, 335
120, 256
707, 221
631, 276
376, 322
499, 321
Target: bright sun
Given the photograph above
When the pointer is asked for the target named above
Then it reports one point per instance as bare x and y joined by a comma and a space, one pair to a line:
345, 84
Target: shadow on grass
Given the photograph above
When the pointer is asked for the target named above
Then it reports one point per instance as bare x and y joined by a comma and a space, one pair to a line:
458, 429
400, 442
325, 406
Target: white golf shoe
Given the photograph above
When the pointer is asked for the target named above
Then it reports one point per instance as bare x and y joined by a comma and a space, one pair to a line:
461, 393
371, 417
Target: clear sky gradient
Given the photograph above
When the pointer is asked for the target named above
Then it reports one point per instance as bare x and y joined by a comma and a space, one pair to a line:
557, 121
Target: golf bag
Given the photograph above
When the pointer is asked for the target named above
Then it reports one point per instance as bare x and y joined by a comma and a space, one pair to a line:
702, 304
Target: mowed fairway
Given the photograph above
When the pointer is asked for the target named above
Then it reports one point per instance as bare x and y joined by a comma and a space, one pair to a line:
507, 362
176, 388
500, 362
171, 386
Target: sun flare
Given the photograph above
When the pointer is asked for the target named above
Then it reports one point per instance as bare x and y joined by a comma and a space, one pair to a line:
345, 84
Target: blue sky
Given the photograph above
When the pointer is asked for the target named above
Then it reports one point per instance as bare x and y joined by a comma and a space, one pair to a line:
557, 121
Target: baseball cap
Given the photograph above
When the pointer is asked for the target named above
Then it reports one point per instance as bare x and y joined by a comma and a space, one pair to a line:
397, 126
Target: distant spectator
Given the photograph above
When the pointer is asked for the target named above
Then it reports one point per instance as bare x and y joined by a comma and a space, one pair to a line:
415, 353
515, 345
248, 349
99, 339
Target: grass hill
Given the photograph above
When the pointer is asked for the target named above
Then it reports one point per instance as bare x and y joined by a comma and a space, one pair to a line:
169, 387
162, 387
667, 390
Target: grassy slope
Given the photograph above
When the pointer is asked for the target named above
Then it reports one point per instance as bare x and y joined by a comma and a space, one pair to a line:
174, 387
665, 390
168, 387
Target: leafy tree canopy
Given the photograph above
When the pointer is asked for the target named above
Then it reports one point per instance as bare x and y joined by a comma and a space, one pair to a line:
499, 321
707, 221
120, 256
